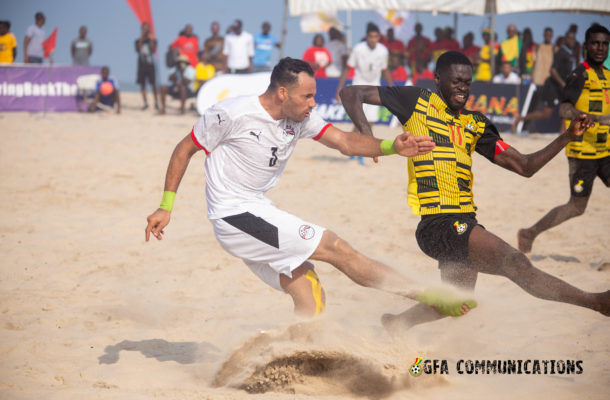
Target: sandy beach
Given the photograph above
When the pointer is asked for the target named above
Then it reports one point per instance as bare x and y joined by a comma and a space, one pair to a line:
89, 310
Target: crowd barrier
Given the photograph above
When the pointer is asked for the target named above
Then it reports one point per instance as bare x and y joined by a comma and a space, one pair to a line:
44, 88
59, 88
499, 102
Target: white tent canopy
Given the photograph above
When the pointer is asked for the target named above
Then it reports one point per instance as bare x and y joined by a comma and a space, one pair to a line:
476, 7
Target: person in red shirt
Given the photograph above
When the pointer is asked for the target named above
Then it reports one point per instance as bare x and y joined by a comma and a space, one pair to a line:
418, 48
394, 45
399, 72
318, 57
421, 72
187, 44
470, 50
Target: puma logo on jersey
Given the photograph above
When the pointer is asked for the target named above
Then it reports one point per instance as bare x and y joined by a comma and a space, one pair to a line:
257, 135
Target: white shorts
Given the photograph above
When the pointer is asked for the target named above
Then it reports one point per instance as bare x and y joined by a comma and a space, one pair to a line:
371, 112
270, 241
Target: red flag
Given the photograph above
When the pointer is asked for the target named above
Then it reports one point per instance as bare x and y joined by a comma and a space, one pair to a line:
49, 44
141, 8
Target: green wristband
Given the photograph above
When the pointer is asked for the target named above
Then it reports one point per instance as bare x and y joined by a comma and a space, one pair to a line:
167, 202
387, 147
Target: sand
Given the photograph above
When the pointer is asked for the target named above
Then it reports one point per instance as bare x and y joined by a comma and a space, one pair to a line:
89, 310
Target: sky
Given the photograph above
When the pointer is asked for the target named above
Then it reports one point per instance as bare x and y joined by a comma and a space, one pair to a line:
113, 28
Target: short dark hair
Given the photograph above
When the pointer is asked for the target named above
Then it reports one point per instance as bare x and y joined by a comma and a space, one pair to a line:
548, 28
371, 27
286, 72
38, 16
450, 58
595, 28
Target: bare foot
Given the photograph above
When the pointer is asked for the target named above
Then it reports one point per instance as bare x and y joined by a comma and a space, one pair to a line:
525, 239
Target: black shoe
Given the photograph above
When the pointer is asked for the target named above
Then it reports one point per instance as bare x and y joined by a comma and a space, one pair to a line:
145, 107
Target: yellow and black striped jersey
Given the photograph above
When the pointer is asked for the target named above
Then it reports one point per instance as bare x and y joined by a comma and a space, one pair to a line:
441, 181
589, 91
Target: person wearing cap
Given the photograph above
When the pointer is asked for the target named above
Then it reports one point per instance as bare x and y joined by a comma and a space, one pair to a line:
182, 83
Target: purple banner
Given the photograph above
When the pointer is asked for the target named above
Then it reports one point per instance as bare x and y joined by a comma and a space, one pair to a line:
43, 88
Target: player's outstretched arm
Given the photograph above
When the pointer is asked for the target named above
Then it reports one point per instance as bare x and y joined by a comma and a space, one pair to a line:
175, 171
528, 164
351, 144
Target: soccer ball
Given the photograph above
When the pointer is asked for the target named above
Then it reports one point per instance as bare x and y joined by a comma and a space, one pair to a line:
415, 370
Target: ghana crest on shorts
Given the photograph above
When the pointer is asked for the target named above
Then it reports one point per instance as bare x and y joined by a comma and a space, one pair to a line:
441, 181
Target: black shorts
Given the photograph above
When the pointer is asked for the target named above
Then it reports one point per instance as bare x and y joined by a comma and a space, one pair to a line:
146, 72
583, 173
444, 237
550, 93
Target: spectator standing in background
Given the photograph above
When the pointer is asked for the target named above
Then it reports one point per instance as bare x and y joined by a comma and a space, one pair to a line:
510, 49
370, 61
470, 50
146, 46
338, 53
577, 47
507, 75
188, 44
418, 48
526, 58
543, 58
318, 57
81, 48
263, 46
393, 45
484, 68
8, 44
213, 45
238, 50
33, 52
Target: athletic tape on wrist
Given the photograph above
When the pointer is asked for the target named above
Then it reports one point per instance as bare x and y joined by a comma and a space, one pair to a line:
387, 147
167, 202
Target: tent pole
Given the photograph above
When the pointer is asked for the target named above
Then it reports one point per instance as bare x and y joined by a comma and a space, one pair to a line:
492, 43
349, 29
283, 40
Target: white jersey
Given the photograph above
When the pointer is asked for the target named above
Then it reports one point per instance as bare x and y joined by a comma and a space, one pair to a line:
247, 151
368, 63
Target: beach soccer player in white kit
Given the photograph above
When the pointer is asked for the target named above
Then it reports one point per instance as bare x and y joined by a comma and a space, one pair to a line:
248, 141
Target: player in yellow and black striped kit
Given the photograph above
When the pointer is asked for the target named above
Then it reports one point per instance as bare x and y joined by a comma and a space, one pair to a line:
587, 90
440, 185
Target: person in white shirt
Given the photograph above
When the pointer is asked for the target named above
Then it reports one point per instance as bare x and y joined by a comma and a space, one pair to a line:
370, 61
507, 75
248, 141
238, 50
33, 52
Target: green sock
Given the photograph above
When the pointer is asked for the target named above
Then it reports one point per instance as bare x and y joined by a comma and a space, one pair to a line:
445, 302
